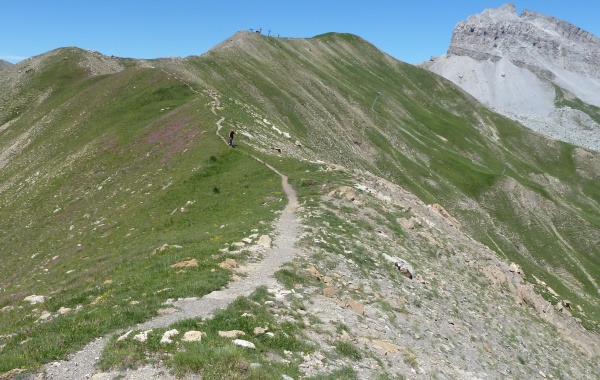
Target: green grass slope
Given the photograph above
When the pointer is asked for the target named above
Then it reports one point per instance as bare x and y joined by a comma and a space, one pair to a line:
533, 200
111, 168
104, 160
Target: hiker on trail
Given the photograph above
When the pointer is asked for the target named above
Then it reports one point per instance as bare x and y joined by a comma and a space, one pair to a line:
231, 134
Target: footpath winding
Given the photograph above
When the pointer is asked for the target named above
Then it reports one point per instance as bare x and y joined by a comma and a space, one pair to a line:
81, 365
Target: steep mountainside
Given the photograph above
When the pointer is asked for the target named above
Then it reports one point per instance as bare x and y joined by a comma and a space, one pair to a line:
4, 64
117, 198
537, 69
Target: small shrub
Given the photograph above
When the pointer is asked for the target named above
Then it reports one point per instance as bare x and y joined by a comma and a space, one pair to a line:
289, 278
348, 350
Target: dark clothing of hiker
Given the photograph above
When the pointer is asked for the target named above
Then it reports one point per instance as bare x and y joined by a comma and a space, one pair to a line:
231, 134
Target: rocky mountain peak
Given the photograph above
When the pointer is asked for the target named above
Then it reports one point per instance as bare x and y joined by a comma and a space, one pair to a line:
545, 44
507, 11
525, 66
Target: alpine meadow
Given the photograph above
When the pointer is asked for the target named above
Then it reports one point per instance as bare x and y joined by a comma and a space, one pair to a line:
112, 170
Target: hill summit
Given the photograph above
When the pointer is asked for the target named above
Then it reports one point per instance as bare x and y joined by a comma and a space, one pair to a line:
534, 68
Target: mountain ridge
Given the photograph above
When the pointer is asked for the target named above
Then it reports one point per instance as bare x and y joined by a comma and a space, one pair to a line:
125, 163
5, 65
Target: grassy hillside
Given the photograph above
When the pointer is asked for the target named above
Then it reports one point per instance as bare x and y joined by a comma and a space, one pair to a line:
104, 160
533, 200
114, 167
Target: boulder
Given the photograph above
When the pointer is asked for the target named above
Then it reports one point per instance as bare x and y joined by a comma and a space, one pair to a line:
515, 269
46, 315
166, 338
192, 336
231, 333
347, 192
143, 336
358, 307
447, 217
165, 247
260, 330
314, 272
228, 264
264, 241
244, 343
185, 264
404, 267
33, 299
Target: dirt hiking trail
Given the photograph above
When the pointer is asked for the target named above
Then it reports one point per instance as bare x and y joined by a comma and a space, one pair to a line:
287, 230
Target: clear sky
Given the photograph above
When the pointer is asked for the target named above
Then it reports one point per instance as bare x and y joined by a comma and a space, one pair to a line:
411, 31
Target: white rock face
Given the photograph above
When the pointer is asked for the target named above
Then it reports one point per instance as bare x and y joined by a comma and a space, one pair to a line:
512, 63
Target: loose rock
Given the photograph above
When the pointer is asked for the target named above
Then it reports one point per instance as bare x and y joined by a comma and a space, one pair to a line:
166, 338
192, 336
244, 343
231, 333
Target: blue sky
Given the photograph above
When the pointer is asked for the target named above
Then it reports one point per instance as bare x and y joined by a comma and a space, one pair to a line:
411, 31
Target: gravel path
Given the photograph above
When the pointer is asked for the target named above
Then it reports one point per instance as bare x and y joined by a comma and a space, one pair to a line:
81, 365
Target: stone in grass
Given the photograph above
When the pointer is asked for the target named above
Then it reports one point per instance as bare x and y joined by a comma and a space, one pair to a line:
46, 316
192, 336
260, 330
185, 264
143, 336
166, 338
244, 343
124, 336
33, 299
229, 264
231, 333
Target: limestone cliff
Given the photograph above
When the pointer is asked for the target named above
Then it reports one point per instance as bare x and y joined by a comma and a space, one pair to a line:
524, 66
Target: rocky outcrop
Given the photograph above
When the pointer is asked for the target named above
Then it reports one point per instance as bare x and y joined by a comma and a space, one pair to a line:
523, 66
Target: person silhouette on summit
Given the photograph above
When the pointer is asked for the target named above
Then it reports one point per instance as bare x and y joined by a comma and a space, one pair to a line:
231, 135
